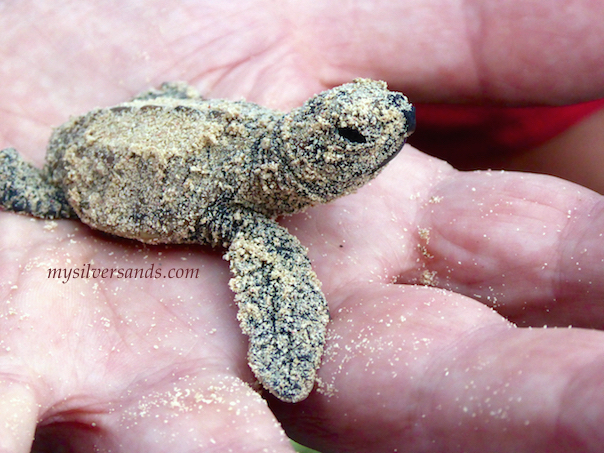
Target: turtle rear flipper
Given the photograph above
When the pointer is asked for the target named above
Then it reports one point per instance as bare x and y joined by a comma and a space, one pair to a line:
281, 307
24, 189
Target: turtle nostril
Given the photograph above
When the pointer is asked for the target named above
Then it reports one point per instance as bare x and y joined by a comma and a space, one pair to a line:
398, 100
403, 105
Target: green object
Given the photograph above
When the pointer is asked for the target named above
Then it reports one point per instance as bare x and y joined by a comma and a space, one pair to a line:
302, 449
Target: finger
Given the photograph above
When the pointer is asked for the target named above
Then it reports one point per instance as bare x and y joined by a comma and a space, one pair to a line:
467, 49
188, 414
18, 416
419, 369
527, 245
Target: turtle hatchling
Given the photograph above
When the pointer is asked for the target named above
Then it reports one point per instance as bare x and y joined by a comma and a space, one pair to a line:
172, 167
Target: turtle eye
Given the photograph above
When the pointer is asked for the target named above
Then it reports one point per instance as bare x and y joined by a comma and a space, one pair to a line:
351, 134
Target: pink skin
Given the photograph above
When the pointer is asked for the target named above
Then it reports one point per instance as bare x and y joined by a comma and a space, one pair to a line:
159, 365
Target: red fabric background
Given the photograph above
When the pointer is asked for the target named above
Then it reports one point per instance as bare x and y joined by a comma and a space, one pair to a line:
455, 132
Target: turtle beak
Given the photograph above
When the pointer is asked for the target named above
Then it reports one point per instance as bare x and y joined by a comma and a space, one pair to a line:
410, 121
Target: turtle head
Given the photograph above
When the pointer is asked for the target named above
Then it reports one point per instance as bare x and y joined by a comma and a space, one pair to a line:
341, 138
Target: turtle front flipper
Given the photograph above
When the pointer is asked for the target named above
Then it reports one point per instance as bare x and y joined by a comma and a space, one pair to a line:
281, 307
25, 189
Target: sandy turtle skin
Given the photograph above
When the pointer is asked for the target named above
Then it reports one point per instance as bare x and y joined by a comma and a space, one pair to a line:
172, 167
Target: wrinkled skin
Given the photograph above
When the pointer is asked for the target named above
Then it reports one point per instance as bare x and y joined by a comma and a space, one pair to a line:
156, 365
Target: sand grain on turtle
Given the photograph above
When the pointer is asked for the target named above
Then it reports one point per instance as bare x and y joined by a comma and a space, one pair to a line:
171, 167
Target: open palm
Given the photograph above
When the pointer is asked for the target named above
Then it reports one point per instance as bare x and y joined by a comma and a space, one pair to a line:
124, 364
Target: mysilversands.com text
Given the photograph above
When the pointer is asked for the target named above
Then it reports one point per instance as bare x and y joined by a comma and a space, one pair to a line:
87, 271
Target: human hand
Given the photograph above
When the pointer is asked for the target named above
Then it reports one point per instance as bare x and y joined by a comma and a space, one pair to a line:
160, 365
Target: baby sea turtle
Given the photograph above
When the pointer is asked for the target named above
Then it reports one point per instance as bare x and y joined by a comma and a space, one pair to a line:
172, 167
